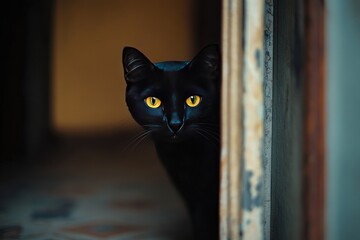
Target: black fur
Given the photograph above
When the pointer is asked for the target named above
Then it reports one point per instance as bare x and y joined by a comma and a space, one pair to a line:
186, 139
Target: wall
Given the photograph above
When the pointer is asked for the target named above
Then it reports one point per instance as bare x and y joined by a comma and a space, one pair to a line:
343, 114
88, 85
25, 29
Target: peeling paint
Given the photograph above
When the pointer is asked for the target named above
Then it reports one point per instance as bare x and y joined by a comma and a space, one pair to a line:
241, 198
258, 59
268, 100
253, 112
250, 201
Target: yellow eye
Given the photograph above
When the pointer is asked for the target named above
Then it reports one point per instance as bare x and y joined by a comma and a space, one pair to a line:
153, 102
193, 101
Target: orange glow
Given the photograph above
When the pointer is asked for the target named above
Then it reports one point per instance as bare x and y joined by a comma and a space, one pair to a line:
88, 84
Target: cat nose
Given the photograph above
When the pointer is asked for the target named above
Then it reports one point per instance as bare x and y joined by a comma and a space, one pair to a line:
175, 125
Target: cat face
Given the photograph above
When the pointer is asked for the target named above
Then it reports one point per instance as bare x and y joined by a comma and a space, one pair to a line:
175, 100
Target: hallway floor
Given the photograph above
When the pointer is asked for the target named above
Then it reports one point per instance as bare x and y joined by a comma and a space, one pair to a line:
87, 189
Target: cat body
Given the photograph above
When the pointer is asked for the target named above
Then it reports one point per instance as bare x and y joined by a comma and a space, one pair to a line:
177, 103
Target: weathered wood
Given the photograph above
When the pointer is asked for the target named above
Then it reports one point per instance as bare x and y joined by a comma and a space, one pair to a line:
268, 102
231, 142
242, 122
286, 165
314, 120
253, 122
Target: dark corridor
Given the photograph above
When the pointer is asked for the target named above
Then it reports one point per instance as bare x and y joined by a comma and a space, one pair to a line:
69, 185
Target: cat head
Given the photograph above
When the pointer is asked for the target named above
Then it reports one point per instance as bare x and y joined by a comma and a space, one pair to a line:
175, 100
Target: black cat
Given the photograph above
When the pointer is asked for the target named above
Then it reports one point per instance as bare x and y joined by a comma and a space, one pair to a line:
178, 103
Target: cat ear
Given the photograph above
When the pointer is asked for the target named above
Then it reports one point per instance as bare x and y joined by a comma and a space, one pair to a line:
136, 65
207, 62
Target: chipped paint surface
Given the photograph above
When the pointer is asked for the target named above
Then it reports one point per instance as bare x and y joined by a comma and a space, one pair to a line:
268, 99
253, 108
241, 198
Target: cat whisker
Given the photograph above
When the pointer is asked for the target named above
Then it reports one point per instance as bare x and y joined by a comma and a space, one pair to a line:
152, 126
141, 139
210, 134
213, 130
205, 137
138, 135
134, 139
209, 124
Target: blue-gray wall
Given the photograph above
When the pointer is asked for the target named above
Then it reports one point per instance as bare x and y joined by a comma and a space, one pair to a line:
343, 117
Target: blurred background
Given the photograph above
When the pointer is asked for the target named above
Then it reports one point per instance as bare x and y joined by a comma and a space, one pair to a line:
66, 168
67, 171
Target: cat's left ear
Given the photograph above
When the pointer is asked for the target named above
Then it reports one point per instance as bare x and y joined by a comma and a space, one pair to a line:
136, 65
208, 61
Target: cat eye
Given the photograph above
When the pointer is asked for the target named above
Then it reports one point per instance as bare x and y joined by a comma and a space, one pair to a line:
193, 100
153, 102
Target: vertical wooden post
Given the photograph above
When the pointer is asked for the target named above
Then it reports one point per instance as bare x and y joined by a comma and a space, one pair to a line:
253, 121
314, 120
268, 113
287, 128
241, 198
231, 143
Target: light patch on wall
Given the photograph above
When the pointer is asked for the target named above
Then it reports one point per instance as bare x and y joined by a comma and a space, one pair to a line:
88, 85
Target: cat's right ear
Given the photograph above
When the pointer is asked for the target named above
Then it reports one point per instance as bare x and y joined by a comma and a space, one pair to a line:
136, 65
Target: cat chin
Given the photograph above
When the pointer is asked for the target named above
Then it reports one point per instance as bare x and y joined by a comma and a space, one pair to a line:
174, 139
170, 137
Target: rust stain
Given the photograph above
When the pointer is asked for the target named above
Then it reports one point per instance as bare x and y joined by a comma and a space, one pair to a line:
314, 121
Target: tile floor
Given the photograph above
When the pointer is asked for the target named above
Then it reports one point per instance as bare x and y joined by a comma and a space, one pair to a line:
88, 189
